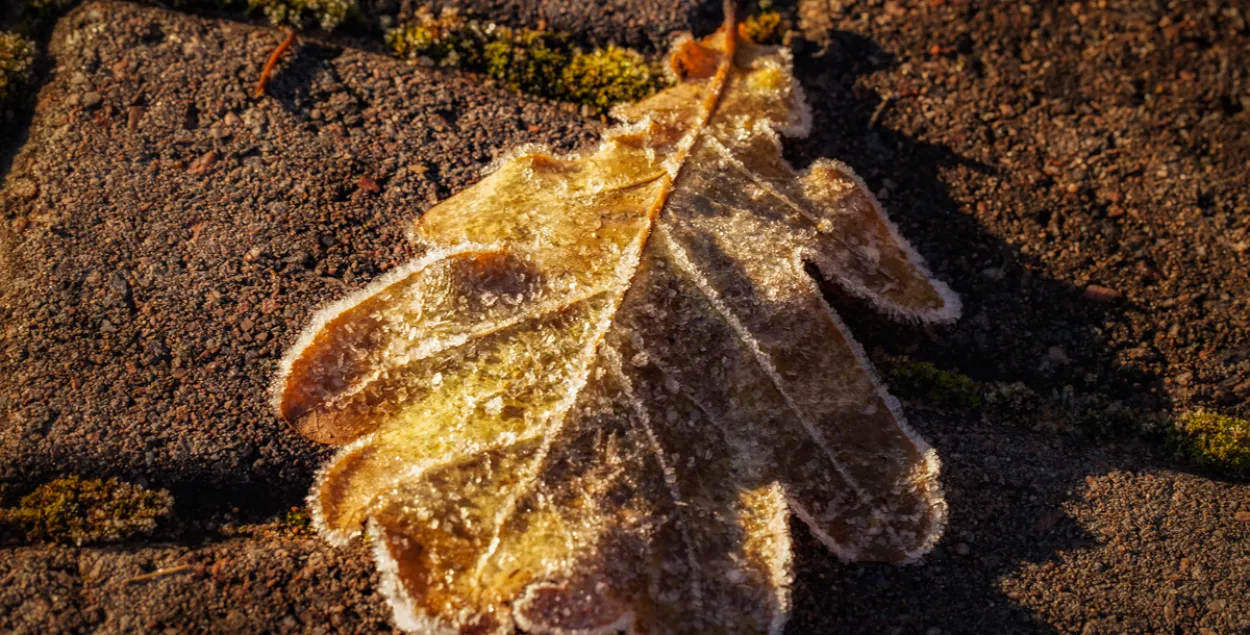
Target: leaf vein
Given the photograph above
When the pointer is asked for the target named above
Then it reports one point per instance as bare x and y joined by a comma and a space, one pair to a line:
630, 267
767, 186
699, 281
670, 474
437, 346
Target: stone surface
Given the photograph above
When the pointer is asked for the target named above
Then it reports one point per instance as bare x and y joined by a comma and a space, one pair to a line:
146, 292
258, 583
163, 267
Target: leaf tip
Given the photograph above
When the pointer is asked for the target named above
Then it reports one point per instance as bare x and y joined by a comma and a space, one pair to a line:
404, 612
333, 532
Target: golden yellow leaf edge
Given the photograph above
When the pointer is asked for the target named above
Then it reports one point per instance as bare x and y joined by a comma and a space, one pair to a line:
592, 405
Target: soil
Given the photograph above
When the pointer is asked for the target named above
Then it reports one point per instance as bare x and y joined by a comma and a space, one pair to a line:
1074, 170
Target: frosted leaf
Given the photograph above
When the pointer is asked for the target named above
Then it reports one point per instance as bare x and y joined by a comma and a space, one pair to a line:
593, 405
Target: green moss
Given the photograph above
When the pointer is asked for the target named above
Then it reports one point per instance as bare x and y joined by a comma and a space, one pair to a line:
608, 76
1215, 440
75, 510
766, 27
295, 518
328, 14
448, 39
1099, 416
537, 62
925, 382
528, 61
17, 59
1012, 401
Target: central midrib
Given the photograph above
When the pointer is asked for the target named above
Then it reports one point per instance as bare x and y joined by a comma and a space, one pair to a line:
710, 103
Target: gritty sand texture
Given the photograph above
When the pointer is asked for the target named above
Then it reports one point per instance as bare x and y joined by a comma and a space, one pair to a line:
165, 236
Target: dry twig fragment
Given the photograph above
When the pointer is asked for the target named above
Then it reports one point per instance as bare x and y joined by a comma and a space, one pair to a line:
594, 403
273, 61
159, 573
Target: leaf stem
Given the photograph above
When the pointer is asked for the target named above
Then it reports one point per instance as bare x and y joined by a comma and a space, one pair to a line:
731, 16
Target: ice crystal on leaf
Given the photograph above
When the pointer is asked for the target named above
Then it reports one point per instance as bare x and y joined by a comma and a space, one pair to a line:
595, 401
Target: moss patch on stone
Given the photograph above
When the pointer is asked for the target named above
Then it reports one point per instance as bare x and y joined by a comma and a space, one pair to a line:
1099, 417
767, 26
925, 382
608, 76
527, 61
296, 519
448, 39
328, 14
1215, 441
78, 511
17, 61
1011, 401
542, 63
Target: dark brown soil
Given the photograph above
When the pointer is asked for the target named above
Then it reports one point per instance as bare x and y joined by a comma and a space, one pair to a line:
164, 236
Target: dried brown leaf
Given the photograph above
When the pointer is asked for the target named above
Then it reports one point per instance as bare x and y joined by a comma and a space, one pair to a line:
594, 403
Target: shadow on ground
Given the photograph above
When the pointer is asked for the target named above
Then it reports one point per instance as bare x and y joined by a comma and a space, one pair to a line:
1006, 485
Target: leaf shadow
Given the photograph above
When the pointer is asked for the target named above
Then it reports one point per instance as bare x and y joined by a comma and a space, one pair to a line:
1007, 486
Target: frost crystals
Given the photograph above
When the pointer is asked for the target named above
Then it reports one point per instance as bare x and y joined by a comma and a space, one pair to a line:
595, 403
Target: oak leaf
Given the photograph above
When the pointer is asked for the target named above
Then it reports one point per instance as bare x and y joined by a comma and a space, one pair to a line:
595, 401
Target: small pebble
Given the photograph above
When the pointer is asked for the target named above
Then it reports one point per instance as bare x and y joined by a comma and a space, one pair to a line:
992, 273
201, 165
1099, 293
1057, 356
24, 188
133, 116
